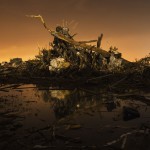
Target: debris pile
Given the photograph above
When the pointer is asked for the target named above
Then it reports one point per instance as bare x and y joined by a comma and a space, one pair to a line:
82, 56
72, 59
67, 53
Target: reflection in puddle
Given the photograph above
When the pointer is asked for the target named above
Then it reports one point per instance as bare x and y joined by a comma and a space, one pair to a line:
60, 94
32, 116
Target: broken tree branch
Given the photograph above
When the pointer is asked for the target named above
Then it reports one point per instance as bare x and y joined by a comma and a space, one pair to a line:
42, 20
91, 41
99, 41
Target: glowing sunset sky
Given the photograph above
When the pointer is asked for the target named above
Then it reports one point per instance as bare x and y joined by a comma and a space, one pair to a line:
124, 23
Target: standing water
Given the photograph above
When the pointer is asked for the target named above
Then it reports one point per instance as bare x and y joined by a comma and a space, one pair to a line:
45, 117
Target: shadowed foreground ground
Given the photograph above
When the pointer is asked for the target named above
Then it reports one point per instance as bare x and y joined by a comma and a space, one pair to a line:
47, 117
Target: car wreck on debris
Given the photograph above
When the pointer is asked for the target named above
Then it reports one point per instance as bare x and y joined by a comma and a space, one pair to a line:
66, 52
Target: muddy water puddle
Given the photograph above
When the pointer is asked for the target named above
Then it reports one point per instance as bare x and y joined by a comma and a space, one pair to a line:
43, 117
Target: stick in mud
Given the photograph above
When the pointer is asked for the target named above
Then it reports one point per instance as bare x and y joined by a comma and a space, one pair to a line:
99, 78
118, 82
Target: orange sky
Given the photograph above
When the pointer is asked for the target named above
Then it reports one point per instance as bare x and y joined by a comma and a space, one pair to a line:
125, 24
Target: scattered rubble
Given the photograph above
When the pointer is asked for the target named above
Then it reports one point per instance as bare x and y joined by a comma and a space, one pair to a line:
77, 59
